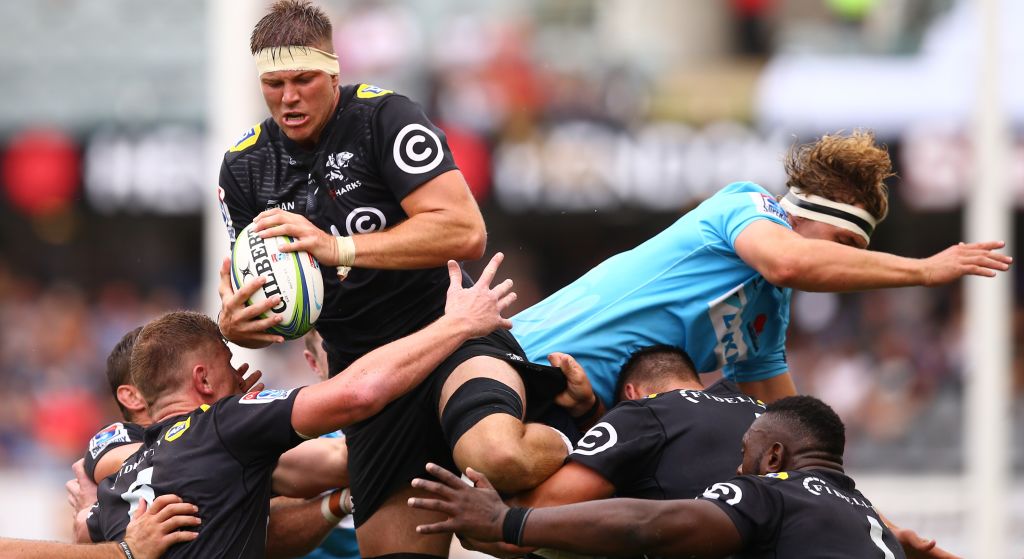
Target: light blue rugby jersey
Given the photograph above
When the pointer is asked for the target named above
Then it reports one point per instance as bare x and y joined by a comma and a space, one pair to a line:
685, 287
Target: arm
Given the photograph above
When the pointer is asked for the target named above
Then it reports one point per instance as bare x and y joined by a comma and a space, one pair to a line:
914, 546
572, 483
151, 532
296, 527
787, 259
387, 372
770, 389
111, 461
444, 224
311, 468
609, 527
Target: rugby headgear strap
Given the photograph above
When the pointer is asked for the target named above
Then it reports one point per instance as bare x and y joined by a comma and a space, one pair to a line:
818, 208
296, 58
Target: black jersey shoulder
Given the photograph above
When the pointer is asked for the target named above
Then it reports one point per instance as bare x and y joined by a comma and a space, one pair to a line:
251, 140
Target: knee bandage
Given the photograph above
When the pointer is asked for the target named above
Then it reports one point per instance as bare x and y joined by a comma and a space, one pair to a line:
476, 399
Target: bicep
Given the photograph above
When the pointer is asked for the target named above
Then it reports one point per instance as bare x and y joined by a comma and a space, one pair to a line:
572, 483
763, 244
701, 528
447, 192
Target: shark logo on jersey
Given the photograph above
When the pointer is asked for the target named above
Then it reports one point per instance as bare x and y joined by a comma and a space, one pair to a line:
600, 437
722, 492
726, 314
335, 163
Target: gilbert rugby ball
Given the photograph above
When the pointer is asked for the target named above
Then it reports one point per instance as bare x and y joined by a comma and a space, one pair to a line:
295, 276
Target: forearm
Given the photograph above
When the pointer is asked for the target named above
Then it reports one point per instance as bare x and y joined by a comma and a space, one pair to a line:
377, 378
425, 240
816, 265
620, 527
26, 549
311, 468
296, 527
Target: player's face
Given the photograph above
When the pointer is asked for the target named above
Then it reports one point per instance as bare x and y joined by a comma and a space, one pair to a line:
817, 230
755, 448
224, 378
300, 102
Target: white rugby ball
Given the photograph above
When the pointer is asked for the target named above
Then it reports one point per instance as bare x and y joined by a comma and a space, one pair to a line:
295, 276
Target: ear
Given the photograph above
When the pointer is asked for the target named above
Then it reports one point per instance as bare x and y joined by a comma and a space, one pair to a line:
335, 80
631, 392
311, 361
774, 459
201, 380
131, 398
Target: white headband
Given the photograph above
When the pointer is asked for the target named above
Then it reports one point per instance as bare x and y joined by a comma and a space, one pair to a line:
817, 208
295, 58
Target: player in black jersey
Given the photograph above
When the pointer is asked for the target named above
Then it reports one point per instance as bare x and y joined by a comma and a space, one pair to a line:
668, 438
791, 499
363, 181
216, 448
153, 528
307, 470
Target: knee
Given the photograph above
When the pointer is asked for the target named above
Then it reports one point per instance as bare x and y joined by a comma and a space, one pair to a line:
476, 400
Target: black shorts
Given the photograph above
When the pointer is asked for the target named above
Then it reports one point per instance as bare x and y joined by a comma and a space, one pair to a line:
388, 450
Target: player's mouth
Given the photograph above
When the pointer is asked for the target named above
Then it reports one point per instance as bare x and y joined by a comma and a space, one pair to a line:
294, 119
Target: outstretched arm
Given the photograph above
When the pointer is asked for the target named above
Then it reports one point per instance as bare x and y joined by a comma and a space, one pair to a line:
610, 527
787, 259
387, 372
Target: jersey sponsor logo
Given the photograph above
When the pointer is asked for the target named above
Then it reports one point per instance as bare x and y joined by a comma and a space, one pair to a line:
113, 433
726, 318
768, 205
600, 437
367, 91
264, 396
816, 486
696, 396
724, 491
417, 149
248, 139
177, 430
365, 220
778, 475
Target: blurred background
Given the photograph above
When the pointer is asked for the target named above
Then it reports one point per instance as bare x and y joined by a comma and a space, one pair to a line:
583, 127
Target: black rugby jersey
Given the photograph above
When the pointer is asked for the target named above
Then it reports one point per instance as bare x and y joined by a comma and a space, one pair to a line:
376, 149
805, 513
219, 458
670, 445
107, 439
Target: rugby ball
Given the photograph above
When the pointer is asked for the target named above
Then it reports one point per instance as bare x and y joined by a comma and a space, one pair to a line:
295, 276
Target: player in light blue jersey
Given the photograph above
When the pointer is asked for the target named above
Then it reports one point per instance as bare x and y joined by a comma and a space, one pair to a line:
718, 281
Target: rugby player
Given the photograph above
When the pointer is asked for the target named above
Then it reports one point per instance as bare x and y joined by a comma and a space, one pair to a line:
297, 526
791, 498
217, 449
363, 181
668, 438
718, 281
151, 531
